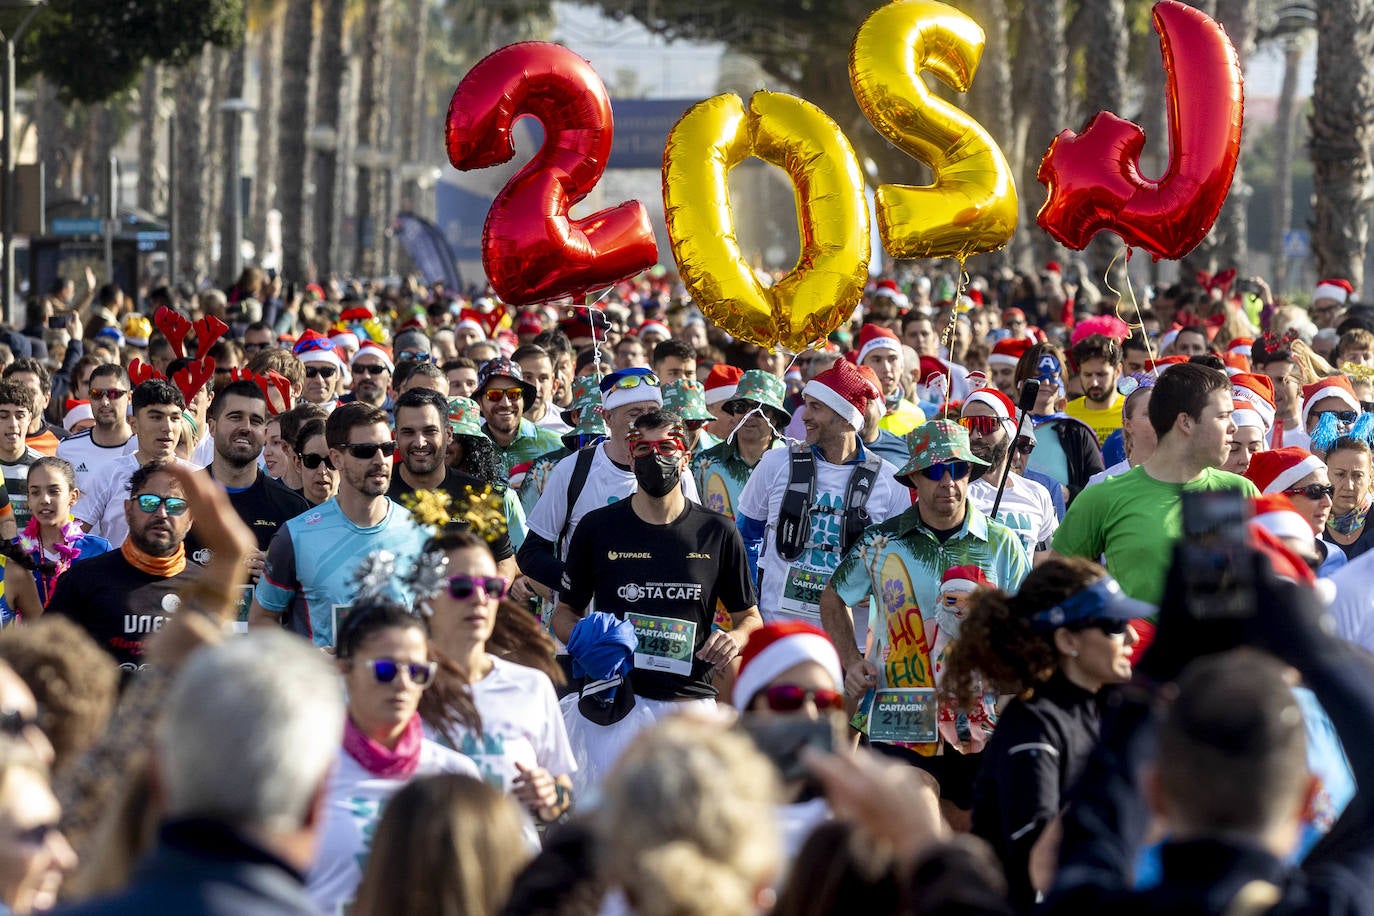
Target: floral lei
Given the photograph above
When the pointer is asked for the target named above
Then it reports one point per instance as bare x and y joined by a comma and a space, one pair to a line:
31, 541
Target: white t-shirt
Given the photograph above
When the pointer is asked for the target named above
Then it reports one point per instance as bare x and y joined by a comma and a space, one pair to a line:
102, 506
204, 452
1115, 470
1026, 508
521, 723
553, 419
606, 483
786, 589
87, 458
1353, 606
356, 800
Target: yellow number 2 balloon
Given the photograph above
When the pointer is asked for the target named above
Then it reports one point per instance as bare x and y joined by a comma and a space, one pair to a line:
820, 292
971, 207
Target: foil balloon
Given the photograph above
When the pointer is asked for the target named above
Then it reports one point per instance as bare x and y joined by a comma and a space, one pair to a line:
532, 249
1094, 178
971, 207
820, 292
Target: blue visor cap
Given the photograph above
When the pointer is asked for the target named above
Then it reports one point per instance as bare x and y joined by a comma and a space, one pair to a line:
1103, 600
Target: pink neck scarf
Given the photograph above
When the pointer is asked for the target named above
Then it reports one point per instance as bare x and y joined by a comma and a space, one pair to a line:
378, 760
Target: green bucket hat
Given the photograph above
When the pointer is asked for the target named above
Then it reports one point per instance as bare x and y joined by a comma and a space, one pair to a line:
687, 398
464, 417
936, 442
586, 390
590, 423
759, 387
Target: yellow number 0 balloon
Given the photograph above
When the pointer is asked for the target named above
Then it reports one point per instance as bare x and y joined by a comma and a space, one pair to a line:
820, 292
971, 207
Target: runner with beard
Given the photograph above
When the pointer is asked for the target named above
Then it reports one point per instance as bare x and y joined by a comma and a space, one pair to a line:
1098, 359
1026, 506
422, 439
372, 367
112, 437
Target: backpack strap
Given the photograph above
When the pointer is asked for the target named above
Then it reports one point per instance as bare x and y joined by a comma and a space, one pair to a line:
581, 470
794, 518
857, 492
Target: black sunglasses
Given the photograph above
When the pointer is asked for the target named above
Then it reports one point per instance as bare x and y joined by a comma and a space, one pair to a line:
1311, 491
370, 369
365, 450
461, 588
1024, 445
1110, 627
319, 371
313, 461
1345, 416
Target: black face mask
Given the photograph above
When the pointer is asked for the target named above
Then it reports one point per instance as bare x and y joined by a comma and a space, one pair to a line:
657, 475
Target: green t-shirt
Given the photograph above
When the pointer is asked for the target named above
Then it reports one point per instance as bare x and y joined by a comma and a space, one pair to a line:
1133, 520
1102, 422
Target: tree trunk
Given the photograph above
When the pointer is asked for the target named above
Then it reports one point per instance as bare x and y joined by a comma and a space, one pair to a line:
328, 98
231, 224
298, 38
1040, 104
1342, 104
411, 101
193, 121
372, 133
269, 110
150, 191
989, 102
1293, 48
1100, 27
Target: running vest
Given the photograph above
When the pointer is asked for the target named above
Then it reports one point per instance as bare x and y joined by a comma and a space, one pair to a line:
794, 518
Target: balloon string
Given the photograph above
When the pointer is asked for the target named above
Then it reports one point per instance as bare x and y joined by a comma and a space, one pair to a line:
947, 337
1139, 323
596, 339
759, 409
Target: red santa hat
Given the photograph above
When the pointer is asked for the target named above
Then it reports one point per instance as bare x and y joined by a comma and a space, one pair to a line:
1241, 345
473, 324
774, 648
1242, 414
1335, 386
1257, 391
721, 382
1052, 267
1340, 290
314, 347
874, 337
963, 579
530, 323
1008, 352
1275, 513
991, 397
653, 327
1277, 469
345, 339
371, 348
1235, 363
844, 390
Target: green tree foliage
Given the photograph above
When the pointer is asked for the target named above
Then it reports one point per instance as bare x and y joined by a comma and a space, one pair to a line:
95, 49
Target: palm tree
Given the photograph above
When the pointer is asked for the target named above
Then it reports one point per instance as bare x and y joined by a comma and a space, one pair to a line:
373, 120
150, 122
328, 94
193, 88
298, 37
269, 42
1294, 46
989, 102
1099, 29
1040, 102
1342, 108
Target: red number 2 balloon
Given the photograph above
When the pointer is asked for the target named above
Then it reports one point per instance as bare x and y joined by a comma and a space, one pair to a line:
532, 249
1094, 178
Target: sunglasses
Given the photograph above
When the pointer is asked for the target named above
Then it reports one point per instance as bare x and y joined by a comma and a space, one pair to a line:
1312, 491
366, 450
983, 426
151, 502
421, 674
419, 356
461, 588
664, 448
14, 723
1110, 627
958, 470
497, 395
255, 347
790, 698
108, 394
1345, 416
634, 381
313, 461
1024, 445
370, 368
319, 371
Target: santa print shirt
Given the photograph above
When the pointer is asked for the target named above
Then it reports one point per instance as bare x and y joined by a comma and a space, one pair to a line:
118, 605
675, 571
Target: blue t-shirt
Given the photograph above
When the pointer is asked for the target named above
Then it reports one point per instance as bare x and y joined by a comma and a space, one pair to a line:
314, 555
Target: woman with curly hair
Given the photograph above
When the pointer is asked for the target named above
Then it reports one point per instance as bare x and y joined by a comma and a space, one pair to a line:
1053, 645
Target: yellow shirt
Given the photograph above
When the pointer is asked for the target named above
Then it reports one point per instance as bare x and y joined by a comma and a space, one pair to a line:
905, 417
1103, 422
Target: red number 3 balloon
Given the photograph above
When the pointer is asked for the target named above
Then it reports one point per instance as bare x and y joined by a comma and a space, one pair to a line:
1094, 177
532, 249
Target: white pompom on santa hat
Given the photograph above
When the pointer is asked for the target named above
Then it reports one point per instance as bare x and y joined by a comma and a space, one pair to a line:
774, 648
844, 390
1277, 469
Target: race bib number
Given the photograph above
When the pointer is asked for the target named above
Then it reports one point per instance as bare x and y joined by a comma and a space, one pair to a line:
665, 643
904, 716
241, 608
801, 593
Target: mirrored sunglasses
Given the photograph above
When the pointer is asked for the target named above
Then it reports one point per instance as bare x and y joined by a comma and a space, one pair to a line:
385, 670
1312, 491
497, 395
957, 470
461, 588
151, 502
790, 698
983, 426
634, 381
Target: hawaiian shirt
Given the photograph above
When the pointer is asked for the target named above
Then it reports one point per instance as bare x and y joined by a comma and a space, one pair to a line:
900, 562
721, 474
532, 487
529, 443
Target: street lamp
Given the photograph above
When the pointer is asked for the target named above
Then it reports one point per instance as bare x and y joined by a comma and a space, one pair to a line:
7, 152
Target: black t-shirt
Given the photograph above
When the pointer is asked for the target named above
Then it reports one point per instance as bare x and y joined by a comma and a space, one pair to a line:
118, 605
457, 485
674, 572
264, 506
